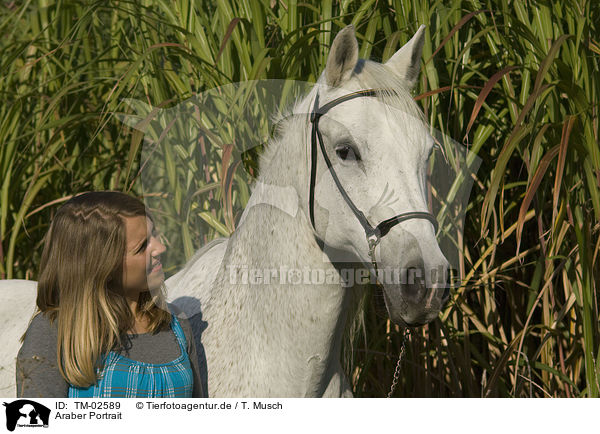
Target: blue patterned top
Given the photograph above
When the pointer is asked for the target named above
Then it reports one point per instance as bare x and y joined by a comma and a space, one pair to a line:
125, 378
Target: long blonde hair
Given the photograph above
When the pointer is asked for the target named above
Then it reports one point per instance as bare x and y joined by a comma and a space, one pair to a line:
80, 282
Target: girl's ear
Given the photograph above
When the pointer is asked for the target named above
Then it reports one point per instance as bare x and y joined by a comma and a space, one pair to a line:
406, 62
343, 57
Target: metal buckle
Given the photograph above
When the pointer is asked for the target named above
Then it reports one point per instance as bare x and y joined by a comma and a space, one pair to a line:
373, 240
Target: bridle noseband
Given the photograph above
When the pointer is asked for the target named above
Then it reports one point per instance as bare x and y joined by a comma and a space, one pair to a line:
373, 234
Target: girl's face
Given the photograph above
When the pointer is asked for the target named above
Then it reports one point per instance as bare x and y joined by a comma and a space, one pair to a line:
142, 269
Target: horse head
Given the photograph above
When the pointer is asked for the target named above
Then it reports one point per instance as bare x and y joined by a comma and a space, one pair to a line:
378, 146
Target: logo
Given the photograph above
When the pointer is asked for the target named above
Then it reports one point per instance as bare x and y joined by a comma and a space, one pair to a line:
26, 413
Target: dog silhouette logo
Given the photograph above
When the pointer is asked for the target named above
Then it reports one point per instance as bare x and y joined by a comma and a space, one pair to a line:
26, 413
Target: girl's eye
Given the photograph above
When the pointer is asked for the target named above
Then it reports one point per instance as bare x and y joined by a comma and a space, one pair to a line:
153, 234
347, 153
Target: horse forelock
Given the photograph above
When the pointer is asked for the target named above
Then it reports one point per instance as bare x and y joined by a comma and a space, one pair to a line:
393, 91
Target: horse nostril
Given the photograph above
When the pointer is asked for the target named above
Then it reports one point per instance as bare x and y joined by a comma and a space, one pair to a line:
415, 276
415, 273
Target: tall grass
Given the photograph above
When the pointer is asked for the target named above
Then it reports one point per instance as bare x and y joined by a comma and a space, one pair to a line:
516, 82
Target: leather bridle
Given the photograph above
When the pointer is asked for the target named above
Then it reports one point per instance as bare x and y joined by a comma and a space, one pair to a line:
373, 234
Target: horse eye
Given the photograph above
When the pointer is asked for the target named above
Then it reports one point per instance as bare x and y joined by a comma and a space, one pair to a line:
347, 153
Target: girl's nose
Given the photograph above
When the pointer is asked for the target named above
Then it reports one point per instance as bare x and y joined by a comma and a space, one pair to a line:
158, 247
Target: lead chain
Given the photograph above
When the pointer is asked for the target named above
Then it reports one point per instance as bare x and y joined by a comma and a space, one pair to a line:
373, 240
405, 335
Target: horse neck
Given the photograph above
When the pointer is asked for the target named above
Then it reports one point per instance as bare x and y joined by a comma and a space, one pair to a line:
275, 236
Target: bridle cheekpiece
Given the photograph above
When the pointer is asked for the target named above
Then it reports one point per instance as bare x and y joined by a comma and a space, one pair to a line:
373, 234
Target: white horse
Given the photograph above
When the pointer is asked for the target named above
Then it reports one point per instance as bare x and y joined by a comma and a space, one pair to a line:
266, 306
269, 304
16, 309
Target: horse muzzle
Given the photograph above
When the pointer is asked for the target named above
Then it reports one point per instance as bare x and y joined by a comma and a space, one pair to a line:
415, 298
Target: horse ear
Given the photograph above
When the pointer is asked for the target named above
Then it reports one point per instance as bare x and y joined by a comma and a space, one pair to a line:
406, 62
343, 57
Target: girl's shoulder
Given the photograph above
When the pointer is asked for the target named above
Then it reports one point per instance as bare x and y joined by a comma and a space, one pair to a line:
40, 326
40, 337
179, 314
175, 310
183, 321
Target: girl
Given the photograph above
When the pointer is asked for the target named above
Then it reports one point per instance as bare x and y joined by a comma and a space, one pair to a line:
102, 327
